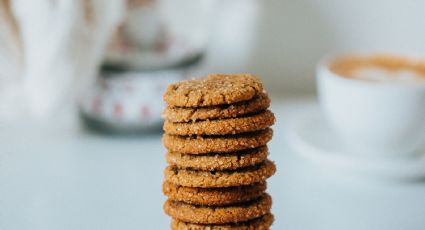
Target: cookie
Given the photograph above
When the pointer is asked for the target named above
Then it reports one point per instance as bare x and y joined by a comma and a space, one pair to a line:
213, 196
216, 144
222, 126
215, 161
219, 214
215, 89
208, 179
179, 114
261, 223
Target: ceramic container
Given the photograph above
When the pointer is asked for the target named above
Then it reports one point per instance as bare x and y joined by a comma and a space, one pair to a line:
373, 118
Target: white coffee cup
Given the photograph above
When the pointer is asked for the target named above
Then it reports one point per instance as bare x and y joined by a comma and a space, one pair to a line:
374, 118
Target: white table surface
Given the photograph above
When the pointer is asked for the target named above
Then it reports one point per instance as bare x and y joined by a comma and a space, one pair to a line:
64, 178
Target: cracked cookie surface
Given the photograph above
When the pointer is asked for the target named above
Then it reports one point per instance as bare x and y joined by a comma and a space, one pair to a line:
181, 114
213, 196
235, 125
219, 214
214, 179
261, 223
215, 89
216, 144
216, 161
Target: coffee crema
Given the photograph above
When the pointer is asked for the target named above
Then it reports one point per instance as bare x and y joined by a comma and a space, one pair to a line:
379, 67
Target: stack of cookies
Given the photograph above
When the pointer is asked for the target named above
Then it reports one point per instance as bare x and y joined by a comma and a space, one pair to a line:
216, 133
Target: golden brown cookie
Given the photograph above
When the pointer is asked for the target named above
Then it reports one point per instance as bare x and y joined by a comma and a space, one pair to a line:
219, 214
209, 179
181, 114
216, 144
216, 161
213, 196
261, 223
215, 89
235, 125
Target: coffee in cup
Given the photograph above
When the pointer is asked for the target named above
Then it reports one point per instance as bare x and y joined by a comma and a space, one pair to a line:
376, 103
379, 68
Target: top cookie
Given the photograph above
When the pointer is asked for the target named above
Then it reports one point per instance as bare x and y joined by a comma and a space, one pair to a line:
215, 89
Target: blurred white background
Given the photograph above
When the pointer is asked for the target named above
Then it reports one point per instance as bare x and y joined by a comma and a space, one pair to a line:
58, 176
281, 41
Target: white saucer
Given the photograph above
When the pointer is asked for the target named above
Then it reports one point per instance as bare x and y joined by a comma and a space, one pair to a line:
311, 137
